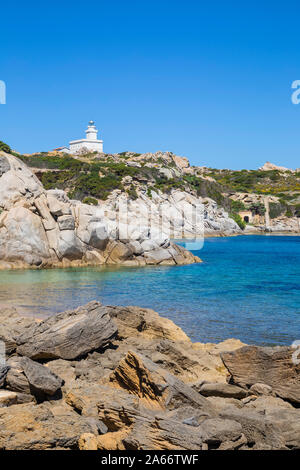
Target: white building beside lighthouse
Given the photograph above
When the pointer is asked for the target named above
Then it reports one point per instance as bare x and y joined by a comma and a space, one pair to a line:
90, 144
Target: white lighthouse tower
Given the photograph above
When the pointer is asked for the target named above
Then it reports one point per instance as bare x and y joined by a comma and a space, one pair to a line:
90, 143
91, 132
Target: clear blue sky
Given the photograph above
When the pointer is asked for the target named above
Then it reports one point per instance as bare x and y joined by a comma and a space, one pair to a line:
208, 80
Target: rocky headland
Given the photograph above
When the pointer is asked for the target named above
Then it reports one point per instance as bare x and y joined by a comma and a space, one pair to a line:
252, 201
51, 218
105, 377
40, 228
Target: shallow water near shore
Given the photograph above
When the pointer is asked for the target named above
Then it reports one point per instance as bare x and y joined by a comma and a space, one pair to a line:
248, 287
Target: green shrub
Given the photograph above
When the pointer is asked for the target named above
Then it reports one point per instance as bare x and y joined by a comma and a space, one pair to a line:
297, 210
258, 208
52, 180
166, 185
285, 197
236, 206
257, 181
92, 184
149, 191
132, 192
276, 209
238, 219
4, 147
53, 162
90, 200
216, 195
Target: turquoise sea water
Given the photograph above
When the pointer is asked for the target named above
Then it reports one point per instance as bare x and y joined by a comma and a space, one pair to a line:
248, 287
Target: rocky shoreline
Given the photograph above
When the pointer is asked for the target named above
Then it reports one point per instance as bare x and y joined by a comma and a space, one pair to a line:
105, 377
42, 229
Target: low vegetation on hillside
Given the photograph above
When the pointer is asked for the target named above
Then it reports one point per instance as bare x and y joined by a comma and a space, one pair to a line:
284, 185
98, 178
271, 182
90, 178
4, 147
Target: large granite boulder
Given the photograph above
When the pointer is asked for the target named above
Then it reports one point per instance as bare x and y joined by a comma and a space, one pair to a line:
68, 335
17, 182
23, 237
40, 228
4, 165
69, 246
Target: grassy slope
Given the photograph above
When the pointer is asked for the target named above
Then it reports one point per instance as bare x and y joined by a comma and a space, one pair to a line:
90, 179
97, 178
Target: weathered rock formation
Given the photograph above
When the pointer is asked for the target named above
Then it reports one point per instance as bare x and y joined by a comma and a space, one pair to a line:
174, 213
274, 367
271, 166
140, 383
11, 326
40, 228
30, 377
68, 335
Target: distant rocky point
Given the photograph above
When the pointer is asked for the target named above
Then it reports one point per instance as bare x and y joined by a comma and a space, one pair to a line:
271, 166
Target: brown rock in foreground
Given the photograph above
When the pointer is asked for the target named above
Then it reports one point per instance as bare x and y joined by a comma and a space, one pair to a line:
271, 366
222, 390
41, 427
158, 388
12, 325
68, 335
31, 378
144, 322
125, 378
